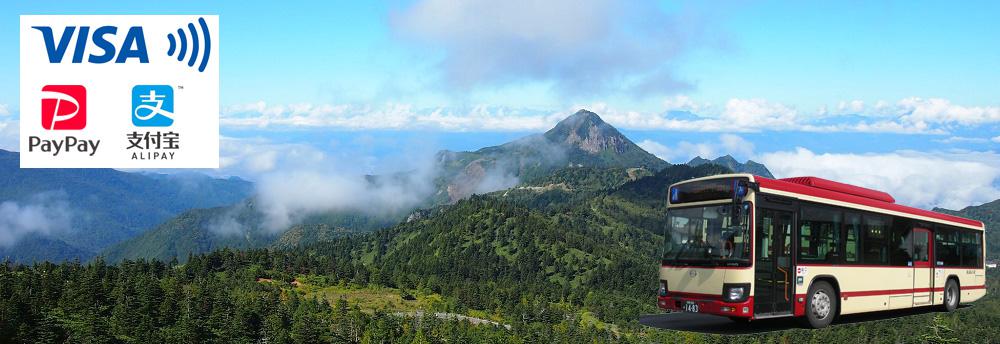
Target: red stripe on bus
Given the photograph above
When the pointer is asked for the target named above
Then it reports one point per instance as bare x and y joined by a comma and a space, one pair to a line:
848, 294
843, 197
707, 267
887, 266
855, 266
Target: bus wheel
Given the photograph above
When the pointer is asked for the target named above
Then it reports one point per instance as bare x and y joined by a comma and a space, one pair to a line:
821, 304
951, 295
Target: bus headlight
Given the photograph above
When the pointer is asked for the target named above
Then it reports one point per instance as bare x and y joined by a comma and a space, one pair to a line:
663, 288
735, 292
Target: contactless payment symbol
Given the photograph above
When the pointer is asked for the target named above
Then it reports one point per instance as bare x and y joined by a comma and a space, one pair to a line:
152, 105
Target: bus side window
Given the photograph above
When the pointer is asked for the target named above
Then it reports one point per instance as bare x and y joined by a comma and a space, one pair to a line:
920, 246
874, 240
972, 248
767, 227
946, 247
852, 227
902, 253
819, 235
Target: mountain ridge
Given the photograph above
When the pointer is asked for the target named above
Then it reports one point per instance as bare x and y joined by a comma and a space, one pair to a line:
731, 163
582, 140
105, 206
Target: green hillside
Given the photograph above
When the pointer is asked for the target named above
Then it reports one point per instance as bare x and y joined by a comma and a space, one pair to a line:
580, 270
106, 206
238, 227
582, 153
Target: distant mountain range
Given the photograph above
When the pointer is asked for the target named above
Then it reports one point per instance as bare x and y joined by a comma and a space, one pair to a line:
580, 142
104, 206
729, 162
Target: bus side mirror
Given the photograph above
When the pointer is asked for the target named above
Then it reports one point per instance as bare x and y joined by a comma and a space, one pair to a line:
741, 188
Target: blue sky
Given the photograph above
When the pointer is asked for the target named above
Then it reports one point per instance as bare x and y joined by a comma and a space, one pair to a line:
375, 82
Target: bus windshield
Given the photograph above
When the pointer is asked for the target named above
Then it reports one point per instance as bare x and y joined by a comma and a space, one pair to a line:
707, 236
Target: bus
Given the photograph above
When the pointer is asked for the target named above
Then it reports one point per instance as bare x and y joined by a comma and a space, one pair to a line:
748, 247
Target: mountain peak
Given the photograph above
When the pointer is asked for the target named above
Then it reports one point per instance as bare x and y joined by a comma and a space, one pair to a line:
587, 131
581, 122
731, 163
726, 159
582, 116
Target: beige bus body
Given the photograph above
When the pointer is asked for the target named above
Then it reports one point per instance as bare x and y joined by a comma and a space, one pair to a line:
859, 288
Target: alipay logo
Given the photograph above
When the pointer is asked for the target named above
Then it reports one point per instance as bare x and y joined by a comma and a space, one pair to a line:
152, 106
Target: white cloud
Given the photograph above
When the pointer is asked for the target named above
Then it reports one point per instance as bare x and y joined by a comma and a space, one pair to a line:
684, 103
735, 145
9, 130
684, 151
737, 116
253, 157
996, 139
43, 214
854, 106
388, 116
296, 180
962, 139
580, 47
943, 179
759, 113
936, 110
4, 110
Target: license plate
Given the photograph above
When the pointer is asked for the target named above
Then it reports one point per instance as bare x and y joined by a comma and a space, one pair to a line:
691, 307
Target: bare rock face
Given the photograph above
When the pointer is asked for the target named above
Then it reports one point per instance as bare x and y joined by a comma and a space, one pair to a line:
586, 131
580, 140
466, 182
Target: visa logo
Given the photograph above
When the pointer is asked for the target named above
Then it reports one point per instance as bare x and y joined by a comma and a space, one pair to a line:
103, 51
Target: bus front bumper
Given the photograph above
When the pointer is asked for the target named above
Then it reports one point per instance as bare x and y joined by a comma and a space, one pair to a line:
679, 303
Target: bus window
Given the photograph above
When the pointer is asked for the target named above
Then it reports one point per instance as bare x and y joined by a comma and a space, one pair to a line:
874, 240
946, 246
819, 235
971, 249
900, 242
767, 245
920, 246
852, 226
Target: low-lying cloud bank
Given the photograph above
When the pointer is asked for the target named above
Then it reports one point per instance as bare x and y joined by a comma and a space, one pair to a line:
298, 180
287, 197
44, 214
738, 115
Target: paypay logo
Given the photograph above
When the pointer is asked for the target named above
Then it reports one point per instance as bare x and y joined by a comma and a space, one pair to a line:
64, 107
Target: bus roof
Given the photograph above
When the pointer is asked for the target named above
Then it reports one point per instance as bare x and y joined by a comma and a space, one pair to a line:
836, 193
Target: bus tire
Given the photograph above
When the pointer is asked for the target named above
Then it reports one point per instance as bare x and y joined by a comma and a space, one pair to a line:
952, 295
821, 304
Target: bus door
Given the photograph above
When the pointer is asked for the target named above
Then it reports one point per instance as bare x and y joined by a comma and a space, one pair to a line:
773, 287
923, 270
